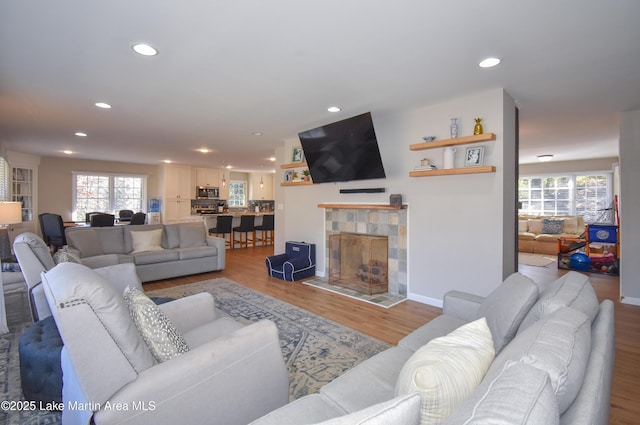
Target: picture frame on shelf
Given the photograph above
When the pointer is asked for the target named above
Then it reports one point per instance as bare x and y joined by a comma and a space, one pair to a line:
474, 156
288, 176
297, 154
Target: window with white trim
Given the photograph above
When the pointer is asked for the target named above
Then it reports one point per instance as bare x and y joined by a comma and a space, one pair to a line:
588, 195
108, 193
237, 194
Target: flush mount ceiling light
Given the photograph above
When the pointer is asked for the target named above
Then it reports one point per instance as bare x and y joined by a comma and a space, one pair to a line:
272, 158
334, 109
144, 49
257, 133
80, 134
67, 152
167, 161
489, 63
103, 105
545, 158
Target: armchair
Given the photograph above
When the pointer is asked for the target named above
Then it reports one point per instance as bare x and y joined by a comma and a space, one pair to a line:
298, 262
34, 258
231, 374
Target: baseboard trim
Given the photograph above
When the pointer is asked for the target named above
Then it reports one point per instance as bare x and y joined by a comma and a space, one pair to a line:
425, 300
630, 301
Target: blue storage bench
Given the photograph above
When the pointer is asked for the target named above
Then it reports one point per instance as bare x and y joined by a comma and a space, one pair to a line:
298, 262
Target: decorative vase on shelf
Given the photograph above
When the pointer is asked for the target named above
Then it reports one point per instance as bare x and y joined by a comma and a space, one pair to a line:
477, 129
454, 128
448, 157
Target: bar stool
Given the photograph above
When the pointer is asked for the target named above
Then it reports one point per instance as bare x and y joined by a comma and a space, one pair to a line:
223, 227
247, 225
266, 230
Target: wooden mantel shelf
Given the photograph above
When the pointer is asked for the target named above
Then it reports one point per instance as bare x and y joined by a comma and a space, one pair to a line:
363, 206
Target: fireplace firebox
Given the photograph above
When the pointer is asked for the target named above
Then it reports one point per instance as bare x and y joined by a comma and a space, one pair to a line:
359, 262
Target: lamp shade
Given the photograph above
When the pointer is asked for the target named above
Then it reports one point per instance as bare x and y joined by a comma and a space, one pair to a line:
10, 212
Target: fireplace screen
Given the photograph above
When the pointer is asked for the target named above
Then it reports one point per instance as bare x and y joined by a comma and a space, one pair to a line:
359, 262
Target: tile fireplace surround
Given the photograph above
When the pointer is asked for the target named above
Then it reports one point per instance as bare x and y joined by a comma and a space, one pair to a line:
370, 219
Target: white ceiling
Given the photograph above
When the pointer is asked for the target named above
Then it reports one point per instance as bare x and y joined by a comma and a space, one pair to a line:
227, 69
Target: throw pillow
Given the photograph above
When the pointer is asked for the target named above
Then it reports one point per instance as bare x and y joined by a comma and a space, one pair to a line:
447, 370
535, 225
66, 255
148, 240
163, 339
523, 226
552, 226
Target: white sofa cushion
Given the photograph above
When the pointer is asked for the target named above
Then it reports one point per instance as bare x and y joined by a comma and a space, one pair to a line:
161, 336
447, 370
506, 306
520, 395
559, 344
571, 290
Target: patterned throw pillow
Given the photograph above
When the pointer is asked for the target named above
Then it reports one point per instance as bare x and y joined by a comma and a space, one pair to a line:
163, 339
66, 255
552, 226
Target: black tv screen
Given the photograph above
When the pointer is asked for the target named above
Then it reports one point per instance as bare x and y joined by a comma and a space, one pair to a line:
343, 151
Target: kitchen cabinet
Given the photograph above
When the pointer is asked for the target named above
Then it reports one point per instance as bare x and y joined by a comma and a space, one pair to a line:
177, 193
208, 177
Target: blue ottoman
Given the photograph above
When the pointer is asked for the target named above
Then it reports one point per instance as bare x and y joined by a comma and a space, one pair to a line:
40, 369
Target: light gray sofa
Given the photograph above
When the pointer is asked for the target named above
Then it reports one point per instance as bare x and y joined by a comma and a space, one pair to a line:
186, 249
230, 375
554, 353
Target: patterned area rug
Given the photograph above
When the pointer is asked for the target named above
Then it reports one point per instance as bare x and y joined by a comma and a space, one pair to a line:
316, 350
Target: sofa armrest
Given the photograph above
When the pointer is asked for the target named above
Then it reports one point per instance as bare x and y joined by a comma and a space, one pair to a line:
236, 378
276, 261
222, 249
462, 305
190, 312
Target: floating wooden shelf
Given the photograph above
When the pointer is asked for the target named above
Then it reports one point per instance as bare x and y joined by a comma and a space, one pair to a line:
293, 165
453, 171
484, 137
296, 183
363, 206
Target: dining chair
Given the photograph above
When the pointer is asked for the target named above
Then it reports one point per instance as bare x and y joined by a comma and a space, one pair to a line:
138, 218
52, 228
102, 220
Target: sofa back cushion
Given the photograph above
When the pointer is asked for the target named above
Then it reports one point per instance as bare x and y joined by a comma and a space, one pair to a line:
85, 240
172, 232
447, 370
506, 306
560, 345
404, 410
520, 395
111, 239
192, 234
571, 290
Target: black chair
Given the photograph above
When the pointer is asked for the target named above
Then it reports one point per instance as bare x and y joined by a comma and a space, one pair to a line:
223, 227
247, 225
52, 229
266, 230
125, 215
138, 218
102, 220
87, 216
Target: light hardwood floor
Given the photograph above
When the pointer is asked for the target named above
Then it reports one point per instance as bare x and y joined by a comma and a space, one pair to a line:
247, 267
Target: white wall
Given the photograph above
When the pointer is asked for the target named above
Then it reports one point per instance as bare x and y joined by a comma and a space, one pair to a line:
629, 207
457, 224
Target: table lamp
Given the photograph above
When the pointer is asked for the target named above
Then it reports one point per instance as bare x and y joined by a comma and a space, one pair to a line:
10, 213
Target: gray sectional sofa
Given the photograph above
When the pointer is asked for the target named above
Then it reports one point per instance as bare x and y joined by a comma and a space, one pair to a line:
158, 251
553, 364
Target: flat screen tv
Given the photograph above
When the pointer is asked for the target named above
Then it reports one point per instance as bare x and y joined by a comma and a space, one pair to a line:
343, 151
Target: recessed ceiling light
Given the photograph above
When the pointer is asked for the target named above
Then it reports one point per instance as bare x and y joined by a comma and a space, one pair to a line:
545, 158
67, 152
204, 150
489, 63
228, 167
334, 109
167, 161
272, 158
80, 134
103, 105
257, 133
144, 49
